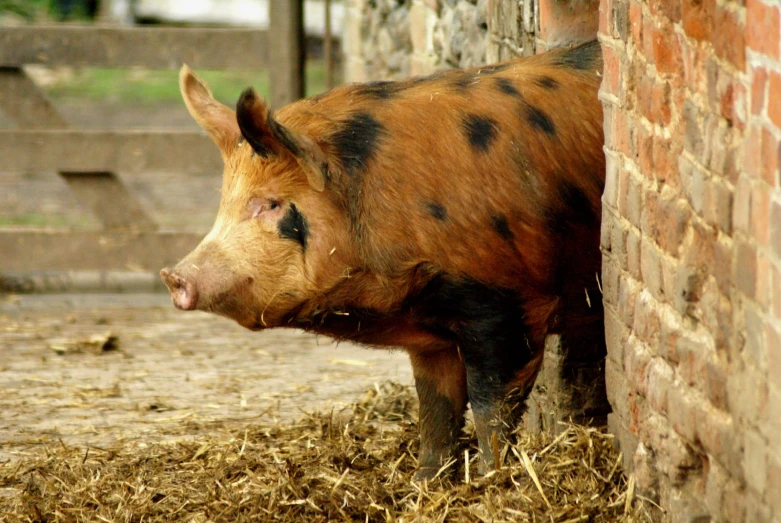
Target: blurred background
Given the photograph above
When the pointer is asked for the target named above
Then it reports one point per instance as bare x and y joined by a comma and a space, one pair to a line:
140, 98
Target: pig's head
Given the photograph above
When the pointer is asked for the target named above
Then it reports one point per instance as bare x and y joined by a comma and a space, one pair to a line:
255, 265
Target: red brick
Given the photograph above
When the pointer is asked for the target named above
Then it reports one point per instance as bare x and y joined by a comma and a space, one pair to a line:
611, 80
729, 37
774, 99
770, 150
758, 85
667, 51
752, 152
762, 26
669, 8
665, 158
648, 38
636, 23
660, 103
698, 18
645, 151
606, 17
760, 214
673, 217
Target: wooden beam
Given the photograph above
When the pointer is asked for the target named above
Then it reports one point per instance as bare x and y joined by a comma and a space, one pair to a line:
286, 60
58, 250
110, 201
125, 152
25, 104
150, 47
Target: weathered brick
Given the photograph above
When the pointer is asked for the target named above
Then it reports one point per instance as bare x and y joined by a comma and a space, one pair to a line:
721, 265
667, 51
741, 209
717, 432
636, 23
773, 341
715, 388
755, 337
615, 336
687, 288
606, 233
760, 214
693, 134
729, 37
763, 279
660, 377
627, 296
771, 147
774, 98
669, 8
610, 194
755, 460
634, 200
693, 351
650, 267
698, 18
774, 481
775, 293
718, 209
611, 80
682, 411
758, 89
648, 38
744, 268
610, 276
636, 359
617, 389
775, 227
633, 254
762, 27
646, 325
665, 158
668, 337
747, 393
752, 151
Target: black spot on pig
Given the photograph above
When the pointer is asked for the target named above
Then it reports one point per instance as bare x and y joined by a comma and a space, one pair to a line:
463, 81
293, 226
583, 57
539, 120
507, 87
436, 210
502, 227
357, 141
547, 82
379, 90
480, 131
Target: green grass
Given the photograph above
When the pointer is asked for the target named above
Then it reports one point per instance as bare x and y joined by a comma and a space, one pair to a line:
148, 86
40, 220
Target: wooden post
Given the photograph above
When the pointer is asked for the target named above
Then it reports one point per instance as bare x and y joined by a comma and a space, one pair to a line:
286, 55
327, 51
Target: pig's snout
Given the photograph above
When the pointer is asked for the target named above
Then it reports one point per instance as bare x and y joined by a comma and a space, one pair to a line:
183, 289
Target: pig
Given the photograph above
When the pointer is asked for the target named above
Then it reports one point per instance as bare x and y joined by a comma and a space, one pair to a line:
456, 216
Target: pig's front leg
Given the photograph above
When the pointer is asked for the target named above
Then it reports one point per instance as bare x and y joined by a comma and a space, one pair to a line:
440, 379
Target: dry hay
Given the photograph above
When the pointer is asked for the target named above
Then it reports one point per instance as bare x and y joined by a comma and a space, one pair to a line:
356, 466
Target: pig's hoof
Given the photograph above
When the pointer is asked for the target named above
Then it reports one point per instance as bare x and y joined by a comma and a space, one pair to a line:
424, 473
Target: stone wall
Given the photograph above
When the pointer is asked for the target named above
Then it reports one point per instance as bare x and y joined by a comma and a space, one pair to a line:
692, 251
390, 39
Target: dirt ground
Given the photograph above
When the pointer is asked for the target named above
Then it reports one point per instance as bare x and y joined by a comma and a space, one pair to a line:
173, 375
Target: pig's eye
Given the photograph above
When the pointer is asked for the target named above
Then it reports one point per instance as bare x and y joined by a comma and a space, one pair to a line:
259, 206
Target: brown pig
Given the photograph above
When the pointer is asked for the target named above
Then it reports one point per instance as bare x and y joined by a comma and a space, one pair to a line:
456, 216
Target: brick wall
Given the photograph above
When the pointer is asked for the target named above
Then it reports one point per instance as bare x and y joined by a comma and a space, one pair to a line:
692, 251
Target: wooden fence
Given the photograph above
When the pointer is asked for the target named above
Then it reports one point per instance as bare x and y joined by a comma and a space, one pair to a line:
95, 163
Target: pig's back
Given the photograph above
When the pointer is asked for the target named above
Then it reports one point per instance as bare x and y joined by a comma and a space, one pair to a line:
479, 172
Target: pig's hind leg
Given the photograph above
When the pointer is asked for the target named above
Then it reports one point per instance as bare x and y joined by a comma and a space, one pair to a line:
440, 380
500, 353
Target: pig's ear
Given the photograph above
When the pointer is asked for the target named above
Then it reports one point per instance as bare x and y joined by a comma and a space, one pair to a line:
218, 120
267, 137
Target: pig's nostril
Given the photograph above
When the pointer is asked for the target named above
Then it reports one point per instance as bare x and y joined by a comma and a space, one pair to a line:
184, 292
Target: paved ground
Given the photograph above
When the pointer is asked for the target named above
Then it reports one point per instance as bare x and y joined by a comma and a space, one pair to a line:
173, 375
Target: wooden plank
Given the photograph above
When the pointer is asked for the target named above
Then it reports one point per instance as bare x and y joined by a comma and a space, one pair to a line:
24, 103
113, 205
150, 47
286, 67
125, 152
55, 250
